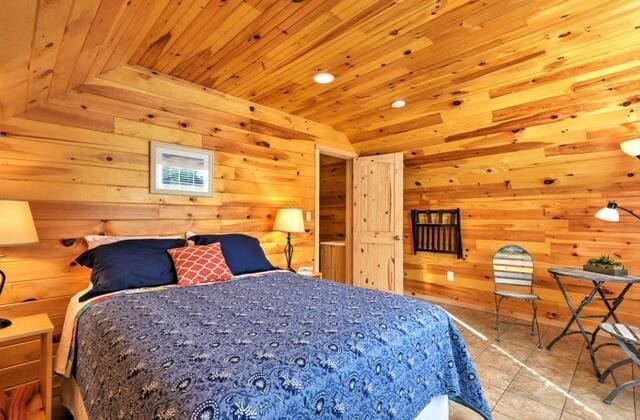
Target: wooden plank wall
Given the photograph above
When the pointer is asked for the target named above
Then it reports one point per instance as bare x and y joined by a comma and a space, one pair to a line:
332, 198
529, 161
82, 161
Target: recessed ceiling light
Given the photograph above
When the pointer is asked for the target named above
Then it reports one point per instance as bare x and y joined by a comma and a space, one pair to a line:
324, 78
398, 103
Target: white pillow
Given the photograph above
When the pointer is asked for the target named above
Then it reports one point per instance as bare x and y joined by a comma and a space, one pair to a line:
94, 241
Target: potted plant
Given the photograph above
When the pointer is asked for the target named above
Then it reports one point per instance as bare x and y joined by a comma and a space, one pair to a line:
604, 264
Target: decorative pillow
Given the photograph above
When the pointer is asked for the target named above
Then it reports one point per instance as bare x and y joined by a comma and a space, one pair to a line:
129, 264
200, 264
243, 253
94, 241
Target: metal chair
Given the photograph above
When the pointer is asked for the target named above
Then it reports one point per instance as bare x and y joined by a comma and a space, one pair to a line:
628, 338
513, 274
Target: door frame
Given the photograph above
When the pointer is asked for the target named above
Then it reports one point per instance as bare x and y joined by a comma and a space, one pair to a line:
348, 237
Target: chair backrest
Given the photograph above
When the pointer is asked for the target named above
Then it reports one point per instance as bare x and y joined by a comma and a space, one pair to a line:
513, 267
624, 332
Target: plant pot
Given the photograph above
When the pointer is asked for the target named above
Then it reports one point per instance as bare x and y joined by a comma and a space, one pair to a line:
611, 270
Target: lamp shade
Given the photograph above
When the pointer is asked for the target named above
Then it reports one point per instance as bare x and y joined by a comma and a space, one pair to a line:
16, 226
289, 220
631, 147
609, 213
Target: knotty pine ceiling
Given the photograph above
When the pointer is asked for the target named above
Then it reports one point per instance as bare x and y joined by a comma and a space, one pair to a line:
446, 58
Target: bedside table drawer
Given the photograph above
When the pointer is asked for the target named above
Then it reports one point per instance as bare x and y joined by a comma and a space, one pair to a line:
36, 326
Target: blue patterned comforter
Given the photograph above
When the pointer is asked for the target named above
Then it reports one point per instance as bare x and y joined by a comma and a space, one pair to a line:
279, 346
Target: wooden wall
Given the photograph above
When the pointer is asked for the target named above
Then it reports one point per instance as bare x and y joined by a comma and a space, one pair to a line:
332, 198
82, 160
529, 161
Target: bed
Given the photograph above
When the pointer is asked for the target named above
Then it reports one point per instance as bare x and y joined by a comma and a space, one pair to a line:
273, 345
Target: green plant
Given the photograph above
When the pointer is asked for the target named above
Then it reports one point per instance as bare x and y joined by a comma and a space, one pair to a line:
604, 260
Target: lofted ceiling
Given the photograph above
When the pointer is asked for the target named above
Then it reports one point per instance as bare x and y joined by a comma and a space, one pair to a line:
441, 56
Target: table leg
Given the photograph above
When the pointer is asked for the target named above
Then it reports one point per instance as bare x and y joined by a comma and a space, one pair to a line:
611, 308
575, 316
46, 372
574, 312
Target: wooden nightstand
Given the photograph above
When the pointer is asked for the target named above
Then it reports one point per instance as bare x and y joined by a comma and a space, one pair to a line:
32, 326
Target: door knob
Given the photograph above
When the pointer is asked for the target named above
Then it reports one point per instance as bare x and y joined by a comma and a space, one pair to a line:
397, 237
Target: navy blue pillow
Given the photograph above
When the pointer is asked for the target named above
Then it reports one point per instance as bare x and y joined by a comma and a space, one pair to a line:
243, 252
129, 264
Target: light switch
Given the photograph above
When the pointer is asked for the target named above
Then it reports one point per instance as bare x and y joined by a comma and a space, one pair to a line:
308, 216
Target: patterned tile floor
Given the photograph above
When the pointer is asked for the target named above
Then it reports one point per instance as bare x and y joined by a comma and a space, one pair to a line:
524, 382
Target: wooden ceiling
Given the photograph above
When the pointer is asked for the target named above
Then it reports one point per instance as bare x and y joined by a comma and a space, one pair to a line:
50, 46
446, 58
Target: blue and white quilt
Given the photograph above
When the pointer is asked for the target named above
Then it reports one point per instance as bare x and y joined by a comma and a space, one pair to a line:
277, 346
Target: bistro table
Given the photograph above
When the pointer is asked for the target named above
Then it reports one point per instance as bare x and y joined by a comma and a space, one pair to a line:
597, 294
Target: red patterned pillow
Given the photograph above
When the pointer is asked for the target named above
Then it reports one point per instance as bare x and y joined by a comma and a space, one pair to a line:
200, 264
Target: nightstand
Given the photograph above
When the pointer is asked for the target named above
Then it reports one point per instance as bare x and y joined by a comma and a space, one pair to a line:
36, 326
317, 275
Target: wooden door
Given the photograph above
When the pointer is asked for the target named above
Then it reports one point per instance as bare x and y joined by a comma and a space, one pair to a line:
377, 222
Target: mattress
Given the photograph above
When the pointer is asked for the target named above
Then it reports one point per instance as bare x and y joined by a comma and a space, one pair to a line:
278, 345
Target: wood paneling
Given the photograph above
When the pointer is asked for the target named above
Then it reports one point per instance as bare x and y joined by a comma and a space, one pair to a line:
82, 160
333, 261
442, 56
529, 154
333, 201
515, 114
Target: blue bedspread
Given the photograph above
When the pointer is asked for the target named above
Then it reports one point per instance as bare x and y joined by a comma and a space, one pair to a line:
279, 346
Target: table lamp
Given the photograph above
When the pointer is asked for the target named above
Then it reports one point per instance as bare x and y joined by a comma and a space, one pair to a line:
611, 213
16, 228
290, 221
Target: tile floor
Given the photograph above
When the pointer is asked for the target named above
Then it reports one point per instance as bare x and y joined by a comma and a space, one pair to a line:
524, 382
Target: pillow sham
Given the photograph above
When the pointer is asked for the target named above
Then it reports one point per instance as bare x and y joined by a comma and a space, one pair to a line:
243, 253
129, 264
200, 264
94, 241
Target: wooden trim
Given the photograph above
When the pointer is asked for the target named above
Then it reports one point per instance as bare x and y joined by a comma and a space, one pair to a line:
316, 241
335, 152
348, 241
398, 197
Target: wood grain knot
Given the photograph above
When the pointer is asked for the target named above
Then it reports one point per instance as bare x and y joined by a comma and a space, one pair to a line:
67, 242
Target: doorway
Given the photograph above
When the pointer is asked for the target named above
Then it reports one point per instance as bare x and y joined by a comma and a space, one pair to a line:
334, 177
